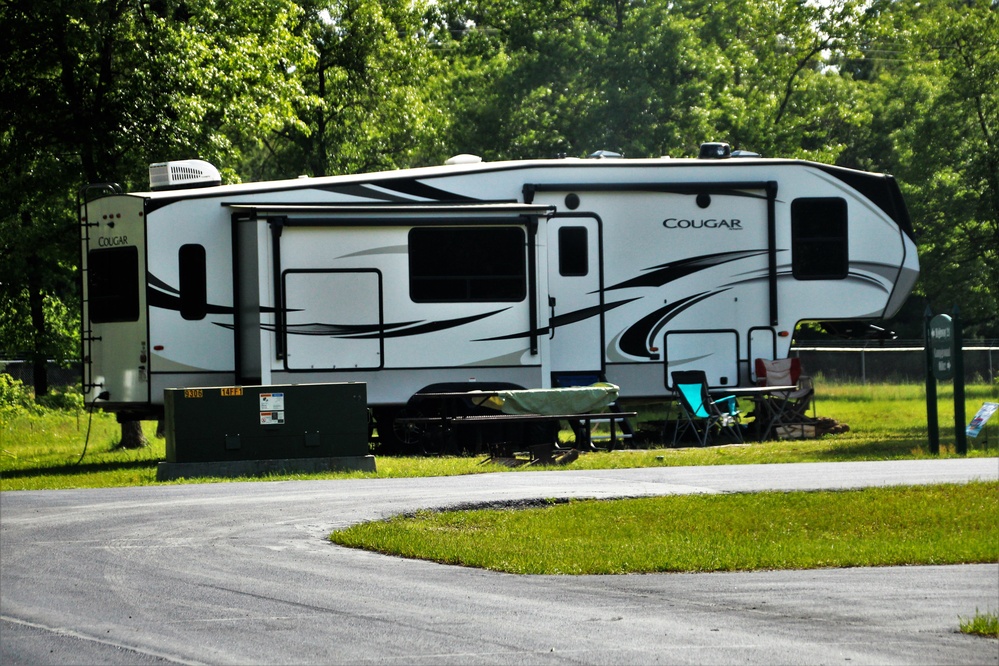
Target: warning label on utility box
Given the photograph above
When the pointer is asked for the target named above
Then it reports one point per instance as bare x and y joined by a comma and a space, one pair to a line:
271, 408
271, 418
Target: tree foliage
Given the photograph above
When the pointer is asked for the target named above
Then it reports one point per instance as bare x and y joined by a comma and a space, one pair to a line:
935, 103
369, 105
95, 90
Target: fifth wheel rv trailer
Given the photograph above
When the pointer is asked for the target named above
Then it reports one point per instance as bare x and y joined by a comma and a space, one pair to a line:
533, 274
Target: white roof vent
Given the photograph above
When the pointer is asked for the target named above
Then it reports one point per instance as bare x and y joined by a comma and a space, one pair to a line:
463, 158
182, 174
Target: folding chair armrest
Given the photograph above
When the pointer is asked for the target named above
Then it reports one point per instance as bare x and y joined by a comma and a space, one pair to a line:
733, 404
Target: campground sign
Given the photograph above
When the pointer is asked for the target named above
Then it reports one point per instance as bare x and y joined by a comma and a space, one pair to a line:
944, 362
941, 340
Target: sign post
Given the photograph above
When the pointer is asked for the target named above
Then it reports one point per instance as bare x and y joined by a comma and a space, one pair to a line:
960, 430
932, 422
944, 361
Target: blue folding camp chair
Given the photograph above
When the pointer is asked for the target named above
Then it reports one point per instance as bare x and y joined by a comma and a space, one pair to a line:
701, 414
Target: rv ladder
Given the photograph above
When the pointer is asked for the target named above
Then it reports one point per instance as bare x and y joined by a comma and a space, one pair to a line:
83, 198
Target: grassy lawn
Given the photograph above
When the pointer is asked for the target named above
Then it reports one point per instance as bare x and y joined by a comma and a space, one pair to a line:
943, 524
887, 422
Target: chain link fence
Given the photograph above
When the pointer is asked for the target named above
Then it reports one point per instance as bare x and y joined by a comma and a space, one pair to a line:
898, 361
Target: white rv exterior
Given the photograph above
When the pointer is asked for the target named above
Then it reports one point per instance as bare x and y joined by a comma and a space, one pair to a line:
530, 273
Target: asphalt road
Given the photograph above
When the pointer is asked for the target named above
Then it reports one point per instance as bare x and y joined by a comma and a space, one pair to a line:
239, 573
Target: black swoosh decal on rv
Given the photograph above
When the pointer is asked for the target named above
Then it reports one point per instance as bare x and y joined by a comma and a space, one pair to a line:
406, 189
154, 281
375, 331
434, 326
158, 299
665, 273
365, 191
416, 188
564, 320
636, 339
339, 330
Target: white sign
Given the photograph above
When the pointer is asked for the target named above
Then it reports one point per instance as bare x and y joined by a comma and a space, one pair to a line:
272, 402
981, 418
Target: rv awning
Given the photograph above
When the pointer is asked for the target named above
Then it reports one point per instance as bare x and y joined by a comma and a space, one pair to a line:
376, 212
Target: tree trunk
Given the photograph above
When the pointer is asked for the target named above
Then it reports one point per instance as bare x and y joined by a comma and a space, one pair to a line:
36, 300
131, 435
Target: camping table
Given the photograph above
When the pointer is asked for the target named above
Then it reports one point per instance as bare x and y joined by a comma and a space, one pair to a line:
769, 405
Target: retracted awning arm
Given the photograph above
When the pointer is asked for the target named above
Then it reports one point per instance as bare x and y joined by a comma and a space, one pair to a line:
385, 213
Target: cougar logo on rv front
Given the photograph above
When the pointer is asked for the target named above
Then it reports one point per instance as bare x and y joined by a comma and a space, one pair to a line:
680, 223
112, 241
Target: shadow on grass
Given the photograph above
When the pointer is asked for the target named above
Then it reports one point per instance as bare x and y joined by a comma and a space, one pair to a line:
83, 468
881, 450
902, 448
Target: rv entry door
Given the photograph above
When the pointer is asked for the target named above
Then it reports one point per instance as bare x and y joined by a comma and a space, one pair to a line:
574, 297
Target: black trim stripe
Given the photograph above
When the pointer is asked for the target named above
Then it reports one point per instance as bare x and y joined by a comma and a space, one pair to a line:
666, 273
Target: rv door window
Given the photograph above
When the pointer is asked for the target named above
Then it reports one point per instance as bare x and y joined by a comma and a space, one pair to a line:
113, 284
455, 264
572, 252
819, 249
193, 282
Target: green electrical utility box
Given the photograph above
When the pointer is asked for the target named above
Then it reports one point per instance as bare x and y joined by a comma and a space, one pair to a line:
297, 424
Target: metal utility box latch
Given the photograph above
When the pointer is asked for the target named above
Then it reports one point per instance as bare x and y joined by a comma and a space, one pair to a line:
228, 423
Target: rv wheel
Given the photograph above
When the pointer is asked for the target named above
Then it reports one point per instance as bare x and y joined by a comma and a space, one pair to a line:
409, 434
398, 438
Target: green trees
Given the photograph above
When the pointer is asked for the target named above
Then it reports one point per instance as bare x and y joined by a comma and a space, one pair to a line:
369, 104
92, 92
931, 74
95, 90
953, 170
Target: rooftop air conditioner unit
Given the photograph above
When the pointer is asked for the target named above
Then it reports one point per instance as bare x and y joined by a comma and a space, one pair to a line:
183, 174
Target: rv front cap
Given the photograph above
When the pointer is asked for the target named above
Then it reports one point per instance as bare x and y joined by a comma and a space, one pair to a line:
680, 223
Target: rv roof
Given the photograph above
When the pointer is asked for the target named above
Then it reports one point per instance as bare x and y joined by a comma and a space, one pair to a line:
443, 170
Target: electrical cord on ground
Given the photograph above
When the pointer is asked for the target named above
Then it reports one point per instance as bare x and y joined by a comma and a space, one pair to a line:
103, 395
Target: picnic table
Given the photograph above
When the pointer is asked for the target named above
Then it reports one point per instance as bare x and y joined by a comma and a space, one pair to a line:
499, 421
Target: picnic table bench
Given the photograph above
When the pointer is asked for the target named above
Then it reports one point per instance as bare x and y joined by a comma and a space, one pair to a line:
506, 442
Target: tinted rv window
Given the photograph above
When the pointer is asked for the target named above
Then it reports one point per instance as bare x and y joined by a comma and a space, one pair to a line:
193, 282
113, 284
819, 239
449, 264
572, 251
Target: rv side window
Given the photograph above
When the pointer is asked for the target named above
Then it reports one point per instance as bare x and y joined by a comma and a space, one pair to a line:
819, 249
449, 264
193, 282
113, 284
573, 252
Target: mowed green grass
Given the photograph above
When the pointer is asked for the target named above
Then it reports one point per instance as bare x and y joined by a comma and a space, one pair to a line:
43, 452
942, 524
887, 422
